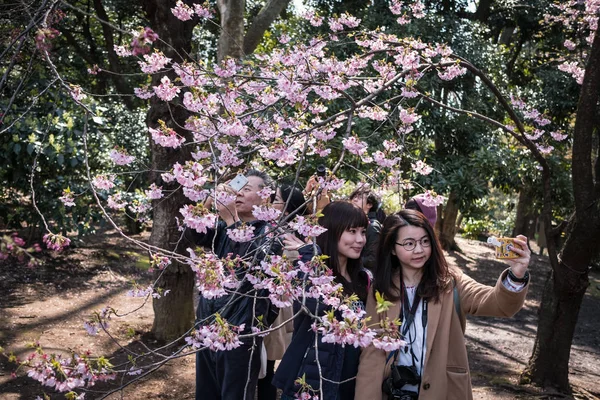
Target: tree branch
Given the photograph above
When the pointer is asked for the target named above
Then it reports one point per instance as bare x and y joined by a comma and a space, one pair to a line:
261, 23
113, 60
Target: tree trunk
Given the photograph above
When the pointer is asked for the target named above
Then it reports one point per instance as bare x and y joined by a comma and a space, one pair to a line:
525, 219
231, 39
173, 313
559, 310
448, 223
261, 23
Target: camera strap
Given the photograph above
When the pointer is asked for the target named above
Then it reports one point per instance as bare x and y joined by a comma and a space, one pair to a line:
409, 310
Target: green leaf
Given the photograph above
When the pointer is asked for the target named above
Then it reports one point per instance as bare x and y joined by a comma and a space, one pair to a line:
382, 304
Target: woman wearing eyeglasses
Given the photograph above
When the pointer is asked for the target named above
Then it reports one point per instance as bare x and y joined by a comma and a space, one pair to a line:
431, 300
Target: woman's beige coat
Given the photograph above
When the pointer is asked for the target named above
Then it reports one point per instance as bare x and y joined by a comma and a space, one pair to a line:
277, 342
446, 370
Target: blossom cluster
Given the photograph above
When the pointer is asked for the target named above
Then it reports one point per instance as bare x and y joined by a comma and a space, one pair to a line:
307, 226
214, 275
64, 373
13, 246
149, 290
56, 242
218, 336
121, 157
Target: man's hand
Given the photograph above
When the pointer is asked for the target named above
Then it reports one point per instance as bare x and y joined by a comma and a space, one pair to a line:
519, 265
226, 208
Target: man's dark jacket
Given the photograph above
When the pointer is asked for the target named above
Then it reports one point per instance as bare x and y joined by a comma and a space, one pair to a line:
247, 304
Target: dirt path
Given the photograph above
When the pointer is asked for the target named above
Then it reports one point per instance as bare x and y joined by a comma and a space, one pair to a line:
50, 304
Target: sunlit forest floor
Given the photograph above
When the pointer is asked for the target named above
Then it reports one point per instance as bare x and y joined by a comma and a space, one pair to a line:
49, 304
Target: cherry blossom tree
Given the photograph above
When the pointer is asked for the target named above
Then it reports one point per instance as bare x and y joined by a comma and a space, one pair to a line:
298, 105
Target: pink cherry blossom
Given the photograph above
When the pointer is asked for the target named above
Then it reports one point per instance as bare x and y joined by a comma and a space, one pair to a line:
558, 136
166, 137
154, 62
198, 218
573, 69
421, 168
354, 146
182, 11
154, 192
67, 199
203, 11
244, 233
452, 72
569, 45
77, 93
56, 242
123, 51
381, 160
432, 199
143, 92
537, 133
545, 149
265, 193
264, 213
166, 91
104, 182
115, 202
306, 227
120, 156
312, 17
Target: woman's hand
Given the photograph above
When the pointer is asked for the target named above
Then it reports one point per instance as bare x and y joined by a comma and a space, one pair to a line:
291, 242
519, 265
311, 188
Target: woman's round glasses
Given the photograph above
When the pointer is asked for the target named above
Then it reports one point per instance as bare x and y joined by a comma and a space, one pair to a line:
411, 244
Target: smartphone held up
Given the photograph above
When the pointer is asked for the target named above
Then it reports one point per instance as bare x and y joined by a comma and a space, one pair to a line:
238, 182
504, 247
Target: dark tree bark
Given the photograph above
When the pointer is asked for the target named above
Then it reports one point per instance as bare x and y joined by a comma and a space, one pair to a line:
564, 290
526, 218
231, 40
173, 313
261, 23
447, 229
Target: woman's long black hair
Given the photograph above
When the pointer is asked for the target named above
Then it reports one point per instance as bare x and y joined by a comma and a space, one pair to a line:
436, 274
339, 216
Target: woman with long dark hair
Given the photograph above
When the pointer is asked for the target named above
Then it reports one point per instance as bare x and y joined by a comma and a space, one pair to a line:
337, 366
431, 300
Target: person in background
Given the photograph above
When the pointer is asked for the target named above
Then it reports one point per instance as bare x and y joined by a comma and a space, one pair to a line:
335, 372
431, 300
233, 374
366, 199
290, 201
417, 203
